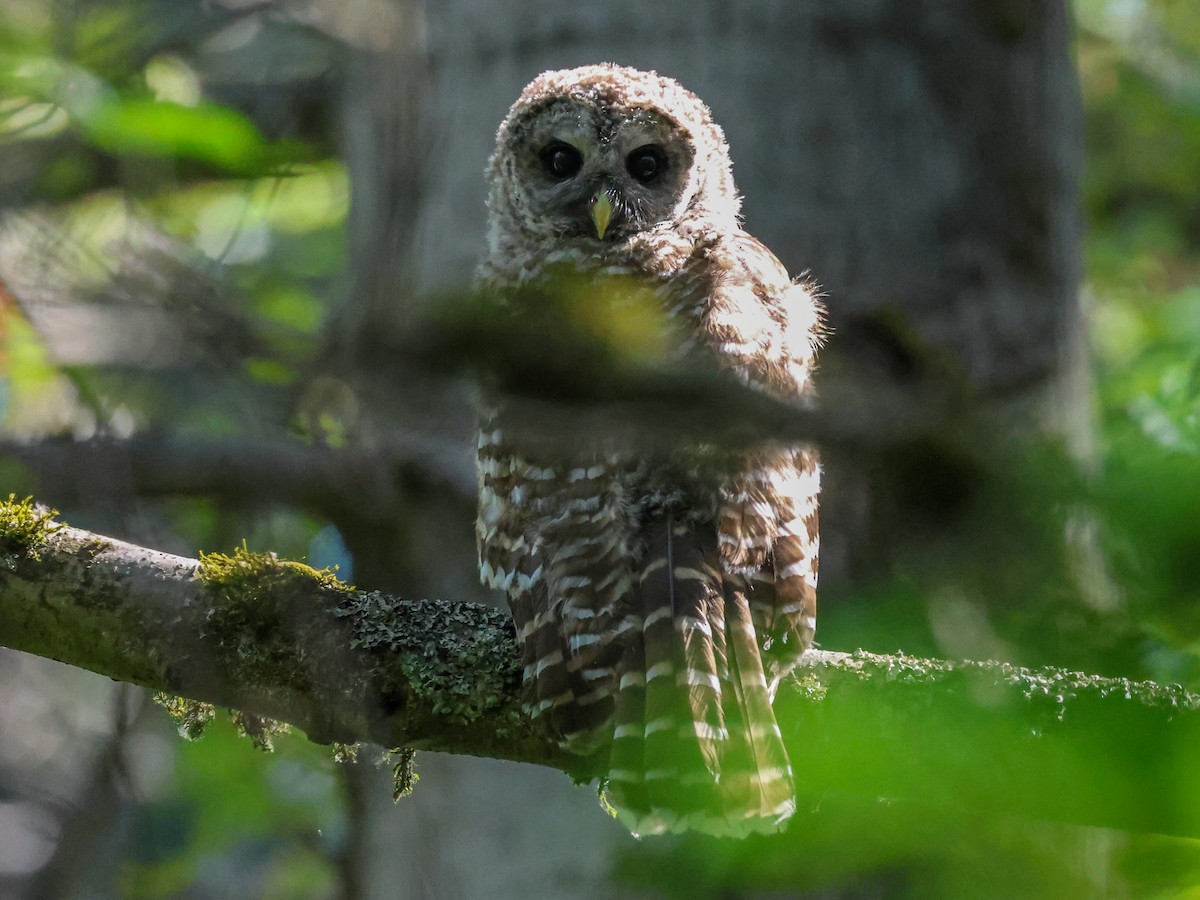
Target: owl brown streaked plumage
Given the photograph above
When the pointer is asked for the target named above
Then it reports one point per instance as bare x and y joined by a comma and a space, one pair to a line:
658, 603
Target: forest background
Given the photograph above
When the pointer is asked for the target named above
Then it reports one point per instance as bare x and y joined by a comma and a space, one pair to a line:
219, 221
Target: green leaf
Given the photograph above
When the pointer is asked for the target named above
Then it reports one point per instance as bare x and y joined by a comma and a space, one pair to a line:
207, 133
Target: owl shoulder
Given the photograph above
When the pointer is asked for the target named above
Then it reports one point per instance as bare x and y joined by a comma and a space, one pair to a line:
762, 318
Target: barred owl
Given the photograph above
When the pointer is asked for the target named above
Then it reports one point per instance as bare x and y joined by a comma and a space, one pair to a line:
657, 602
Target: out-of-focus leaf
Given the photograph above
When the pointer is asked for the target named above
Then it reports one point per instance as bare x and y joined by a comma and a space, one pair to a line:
205, 132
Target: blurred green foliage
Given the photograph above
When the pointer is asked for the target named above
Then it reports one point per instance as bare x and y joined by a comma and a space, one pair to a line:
133, 187
1140, 68
1139, 62
128, 179
999, 581
234, 821
980, 553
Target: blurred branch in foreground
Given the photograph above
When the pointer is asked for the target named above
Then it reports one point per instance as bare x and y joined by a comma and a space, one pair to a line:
280, 640
251, 469
586, 365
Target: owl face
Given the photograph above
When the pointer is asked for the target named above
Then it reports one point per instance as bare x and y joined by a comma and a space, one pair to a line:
603, 153
592, 168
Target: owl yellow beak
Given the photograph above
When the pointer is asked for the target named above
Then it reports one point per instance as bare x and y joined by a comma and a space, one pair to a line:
602, 210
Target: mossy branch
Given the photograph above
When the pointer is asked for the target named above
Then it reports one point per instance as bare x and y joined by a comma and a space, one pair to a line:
281, 640
274, 638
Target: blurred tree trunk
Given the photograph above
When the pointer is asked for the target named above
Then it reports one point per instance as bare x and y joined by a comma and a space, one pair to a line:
919, 158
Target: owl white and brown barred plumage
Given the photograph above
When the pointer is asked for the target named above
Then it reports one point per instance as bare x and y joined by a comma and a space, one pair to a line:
657, 606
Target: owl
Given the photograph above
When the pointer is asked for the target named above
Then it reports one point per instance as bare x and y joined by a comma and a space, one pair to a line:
659, 597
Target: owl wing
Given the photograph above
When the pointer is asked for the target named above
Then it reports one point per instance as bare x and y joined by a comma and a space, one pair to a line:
767, 329
555, 537
668, 635
726, 611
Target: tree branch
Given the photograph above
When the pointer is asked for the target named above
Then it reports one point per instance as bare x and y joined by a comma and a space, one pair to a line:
278, 639
273, 638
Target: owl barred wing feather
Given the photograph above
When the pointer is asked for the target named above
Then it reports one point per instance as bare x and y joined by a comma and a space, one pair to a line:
557, 543
767, 330
695, 743
669, 725
658, 602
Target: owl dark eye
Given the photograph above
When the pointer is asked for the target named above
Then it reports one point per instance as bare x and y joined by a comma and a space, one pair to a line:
561, 160
646, 164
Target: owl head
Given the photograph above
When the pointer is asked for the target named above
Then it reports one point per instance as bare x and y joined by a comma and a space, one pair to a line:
603, 153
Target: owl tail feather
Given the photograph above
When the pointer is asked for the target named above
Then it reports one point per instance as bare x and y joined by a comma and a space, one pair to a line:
695, 742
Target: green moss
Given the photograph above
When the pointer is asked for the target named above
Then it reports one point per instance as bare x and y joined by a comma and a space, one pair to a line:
1039, 701
260, 730
403, 774
1037, 686
262, 611
810, 686
25, 529
245, 574
449, 662
260, 604
191, 717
